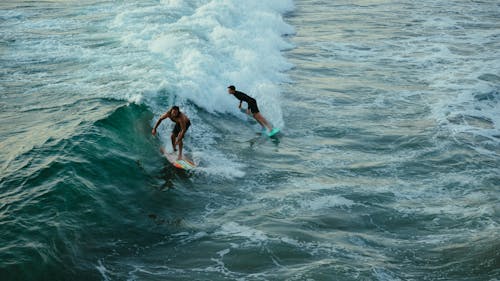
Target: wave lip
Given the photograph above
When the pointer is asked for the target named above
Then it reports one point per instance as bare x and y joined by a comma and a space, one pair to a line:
224, 43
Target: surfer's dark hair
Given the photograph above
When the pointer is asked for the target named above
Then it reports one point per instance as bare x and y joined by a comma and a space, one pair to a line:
176, 108
232, 87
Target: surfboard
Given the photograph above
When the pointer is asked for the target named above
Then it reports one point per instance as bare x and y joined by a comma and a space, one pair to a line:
184, 163
273, 132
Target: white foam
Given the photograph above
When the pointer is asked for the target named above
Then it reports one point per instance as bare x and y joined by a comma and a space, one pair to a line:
384, 274
454, 59
325, 202
103, 270
217, 164
236, 230
227, 42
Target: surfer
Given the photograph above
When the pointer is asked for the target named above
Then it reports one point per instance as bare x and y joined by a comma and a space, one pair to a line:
252, 105
182, 124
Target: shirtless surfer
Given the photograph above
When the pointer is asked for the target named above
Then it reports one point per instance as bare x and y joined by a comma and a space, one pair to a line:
182, 124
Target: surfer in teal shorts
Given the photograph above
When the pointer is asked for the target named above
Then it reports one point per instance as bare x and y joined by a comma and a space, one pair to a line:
252, 106
182, 124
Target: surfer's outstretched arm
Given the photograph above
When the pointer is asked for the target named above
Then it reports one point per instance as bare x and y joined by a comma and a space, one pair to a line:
163, 117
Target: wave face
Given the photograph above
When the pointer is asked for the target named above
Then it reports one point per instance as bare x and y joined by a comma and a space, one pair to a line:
387, 167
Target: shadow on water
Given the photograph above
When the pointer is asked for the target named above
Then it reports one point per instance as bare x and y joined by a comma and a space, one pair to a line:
171, 175
262, 139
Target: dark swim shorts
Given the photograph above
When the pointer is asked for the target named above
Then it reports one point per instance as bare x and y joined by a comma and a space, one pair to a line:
177, 128
253, 107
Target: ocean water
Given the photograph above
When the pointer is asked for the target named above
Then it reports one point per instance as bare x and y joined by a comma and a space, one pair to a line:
387, 166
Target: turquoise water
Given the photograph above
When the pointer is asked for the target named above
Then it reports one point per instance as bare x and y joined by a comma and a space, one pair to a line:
387, 166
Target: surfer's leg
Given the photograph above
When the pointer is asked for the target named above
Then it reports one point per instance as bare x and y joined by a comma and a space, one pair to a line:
180, 150
172, 138
262, 121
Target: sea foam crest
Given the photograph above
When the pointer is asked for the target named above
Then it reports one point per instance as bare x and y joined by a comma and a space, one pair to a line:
222, 43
